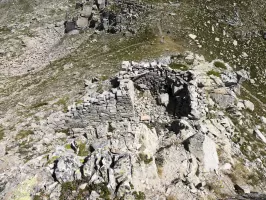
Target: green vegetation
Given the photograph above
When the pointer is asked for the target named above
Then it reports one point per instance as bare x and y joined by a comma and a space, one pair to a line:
240, 172
214, 73
104, 77
23, 134
63, 102
51, 160
65, 131
79, 102
40, 196
179, 66
219, 65
83, 150
216, 188
2, 133
68, 187
145, 158
37, 105
68, 146
139, 195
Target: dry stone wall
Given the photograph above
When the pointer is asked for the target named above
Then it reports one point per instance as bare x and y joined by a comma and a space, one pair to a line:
182, 96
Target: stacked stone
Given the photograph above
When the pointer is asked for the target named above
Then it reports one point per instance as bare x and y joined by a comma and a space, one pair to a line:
113, 105
118, 103
99, 15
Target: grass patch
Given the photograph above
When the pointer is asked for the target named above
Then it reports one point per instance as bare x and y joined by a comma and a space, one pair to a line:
68, 146
178, 66
2, 133
79, 102
214, 73
37, 105
104, 77
63, 102
51, 160
65, 131
83, 150
139, 195
68, 187
23, 134
240, 172
219, 65
216, 188
143, 157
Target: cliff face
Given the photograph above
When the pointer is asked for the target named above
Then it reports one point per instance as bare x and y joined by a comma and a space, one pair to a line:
172, 107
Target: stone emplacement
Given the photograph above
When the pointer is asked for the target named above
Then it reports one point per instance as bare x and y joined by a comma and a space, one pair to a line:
116, 104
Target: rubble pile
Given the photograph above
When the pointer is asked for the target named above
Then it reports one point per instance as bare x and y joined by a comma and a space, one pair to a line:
110, 16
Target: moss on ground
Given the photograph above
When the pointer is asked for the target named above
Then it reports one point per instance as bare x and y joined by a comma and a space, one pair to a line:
2, 133
52, 160
145, 158
179, 66
67, 188
219, 65
37, 105
83, 149
23, 134
63, 102
139, 195
68, 146
214, 73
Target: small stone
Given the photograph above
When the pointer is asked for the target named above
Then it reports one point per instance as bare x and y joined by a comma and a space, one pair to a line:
145, 118
263, 120
226, 166
249, 105
192, 36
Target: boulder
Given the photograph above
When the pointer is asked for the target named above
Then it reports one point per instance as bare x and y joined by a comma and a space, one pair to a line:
2, 149
249, 105
69, 26
82, 22
204, 148
223, 97
229, 78
68, 169
263, 119
164, 99
86, 11
260, 135
242, 189
242, 75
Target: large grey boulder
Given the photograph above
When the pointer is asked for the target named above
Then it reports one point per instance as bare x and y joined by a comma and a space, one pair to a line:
68, 168
86, 11
229, 78
82, 22
223, 97
242, 75
204, 148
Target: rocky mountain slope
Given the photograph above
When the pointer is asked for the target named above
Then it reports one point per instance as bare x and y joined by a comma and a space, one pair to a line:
132, 100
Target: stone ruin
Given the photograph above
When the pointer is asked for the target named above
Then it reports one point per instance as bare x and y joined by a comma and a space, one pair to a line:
175, 89
111, 16
123, 147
